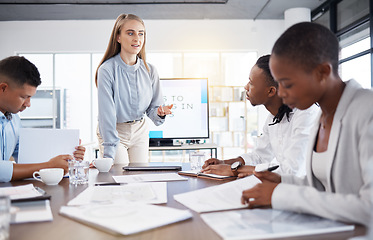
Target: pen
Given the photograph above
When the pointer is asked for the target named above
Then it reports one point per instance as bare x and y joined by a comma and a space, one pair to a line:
106, 184
41, 191
265, 167
272, 168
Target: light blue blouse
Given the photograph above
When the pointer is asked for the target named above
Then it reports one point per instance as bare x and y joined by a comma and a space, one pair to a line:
9, 134
125, 93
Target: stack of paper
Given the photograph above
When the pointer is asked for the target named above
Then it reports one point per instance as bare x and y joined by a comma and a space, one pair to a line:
158, 177
269, 223
31, 211
155, 193
20, 192
124, 208
125, 219
222, 197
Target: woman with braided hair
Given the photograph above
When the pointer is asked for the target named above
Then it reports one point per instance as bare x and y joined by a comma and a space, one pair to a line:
285, 132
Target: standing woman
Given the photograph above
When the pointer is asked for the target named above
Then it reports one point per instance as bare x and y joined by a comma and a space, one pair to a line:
304, 61
128, 87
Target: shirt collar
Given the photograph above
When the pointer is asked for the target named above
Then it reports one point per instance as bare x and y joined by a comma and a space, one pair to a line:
130, 68
5, 117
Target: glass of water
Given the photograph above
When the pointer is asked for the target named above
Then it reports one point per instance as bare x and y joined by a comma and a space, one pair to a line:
4, 217
78, 172
196, 160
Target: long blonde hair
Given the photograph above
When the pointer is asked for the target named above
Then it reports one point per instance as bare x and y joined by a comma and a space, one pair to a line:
113, 47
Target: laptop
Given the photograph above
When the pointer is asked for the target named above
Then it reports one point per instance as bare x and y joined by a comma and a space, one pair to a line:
153, 166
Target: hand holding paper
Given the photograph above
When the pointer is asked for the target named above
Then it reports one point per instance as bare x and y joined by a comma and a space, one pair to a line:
261, 193
41, 145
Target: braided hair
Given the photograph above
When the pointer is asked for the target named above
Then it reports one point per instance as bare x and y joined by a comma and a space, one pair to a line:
263, 63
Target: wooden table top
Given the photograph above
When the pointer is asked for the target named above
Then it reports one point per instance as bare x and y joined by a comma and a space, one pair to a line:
65, 228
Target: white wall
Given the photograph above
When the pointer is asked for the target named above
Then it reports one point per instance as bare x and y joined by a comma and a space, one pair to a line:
162, 35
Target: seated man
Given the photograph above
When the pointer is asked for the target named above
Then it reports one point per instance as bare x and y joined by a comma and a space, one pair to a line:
283, 138
19, 79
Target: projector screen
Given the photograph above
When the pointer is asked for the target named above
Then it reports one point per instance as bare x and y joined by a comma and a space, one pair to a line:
189, 119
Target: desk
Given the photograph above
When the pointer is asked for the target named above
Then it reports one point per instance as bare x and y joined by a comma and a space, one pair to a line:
212, 147
64, 228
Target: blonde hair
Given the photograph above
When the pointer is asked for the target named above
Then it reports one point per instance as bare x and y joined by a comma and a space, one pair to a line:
113, 47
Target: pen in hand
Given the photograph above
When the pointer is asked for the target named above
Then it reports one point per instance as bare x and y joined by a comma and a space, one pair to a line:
265, 167
273, 168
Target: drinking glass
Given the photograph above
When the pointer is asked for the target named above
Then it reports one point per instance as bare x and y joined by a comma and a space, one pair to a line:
78, 172
196, 160
4, 217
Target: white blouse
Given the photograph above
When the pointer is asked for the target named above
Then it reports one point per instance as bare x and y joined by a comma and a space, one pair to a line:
285, 142
319, 167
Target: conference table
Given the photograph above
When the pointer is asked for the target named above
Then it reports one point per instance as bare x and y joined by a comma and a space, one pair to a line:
64, 228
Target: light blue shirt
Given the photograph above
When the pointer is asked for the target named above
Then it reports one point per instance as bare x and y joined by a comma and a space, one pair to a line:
9, 133
125, 93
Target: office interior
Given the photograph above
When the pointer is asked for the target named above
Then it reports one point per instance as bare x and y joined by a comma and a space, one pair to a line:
218, 40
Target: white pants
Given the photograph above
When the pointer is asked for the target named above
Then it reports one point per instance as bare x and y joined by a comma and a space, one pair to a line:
134, 142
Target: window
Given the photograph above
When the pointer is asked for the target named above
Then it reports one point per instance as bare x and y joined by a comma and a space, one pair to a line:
236, 67
169, 65
322, 18
198, 65
73, 77
67, 97
359, 69
350, 21
349, 12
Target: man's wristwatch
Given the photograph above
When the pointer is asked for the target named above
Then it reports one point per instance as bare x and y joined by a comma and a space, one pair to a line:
235, 166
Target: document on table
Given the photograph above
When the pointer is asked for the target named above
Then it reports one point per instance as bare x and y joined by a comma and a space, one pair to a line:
125, 219
31, 211
20, 192
156, 177
269, 223
155, 193
40, 145
222, 197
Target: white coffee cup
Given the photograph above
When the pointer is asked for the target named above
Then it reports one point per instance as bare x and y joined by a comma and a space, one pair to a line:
103, 164
49, 176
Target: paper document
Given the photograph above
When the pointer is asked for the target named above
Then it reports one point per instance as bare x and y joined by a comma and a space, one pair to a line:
269, 223
40, 145
222, 197
32, 211
20, 192
156, 177
125, 219
155, 193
